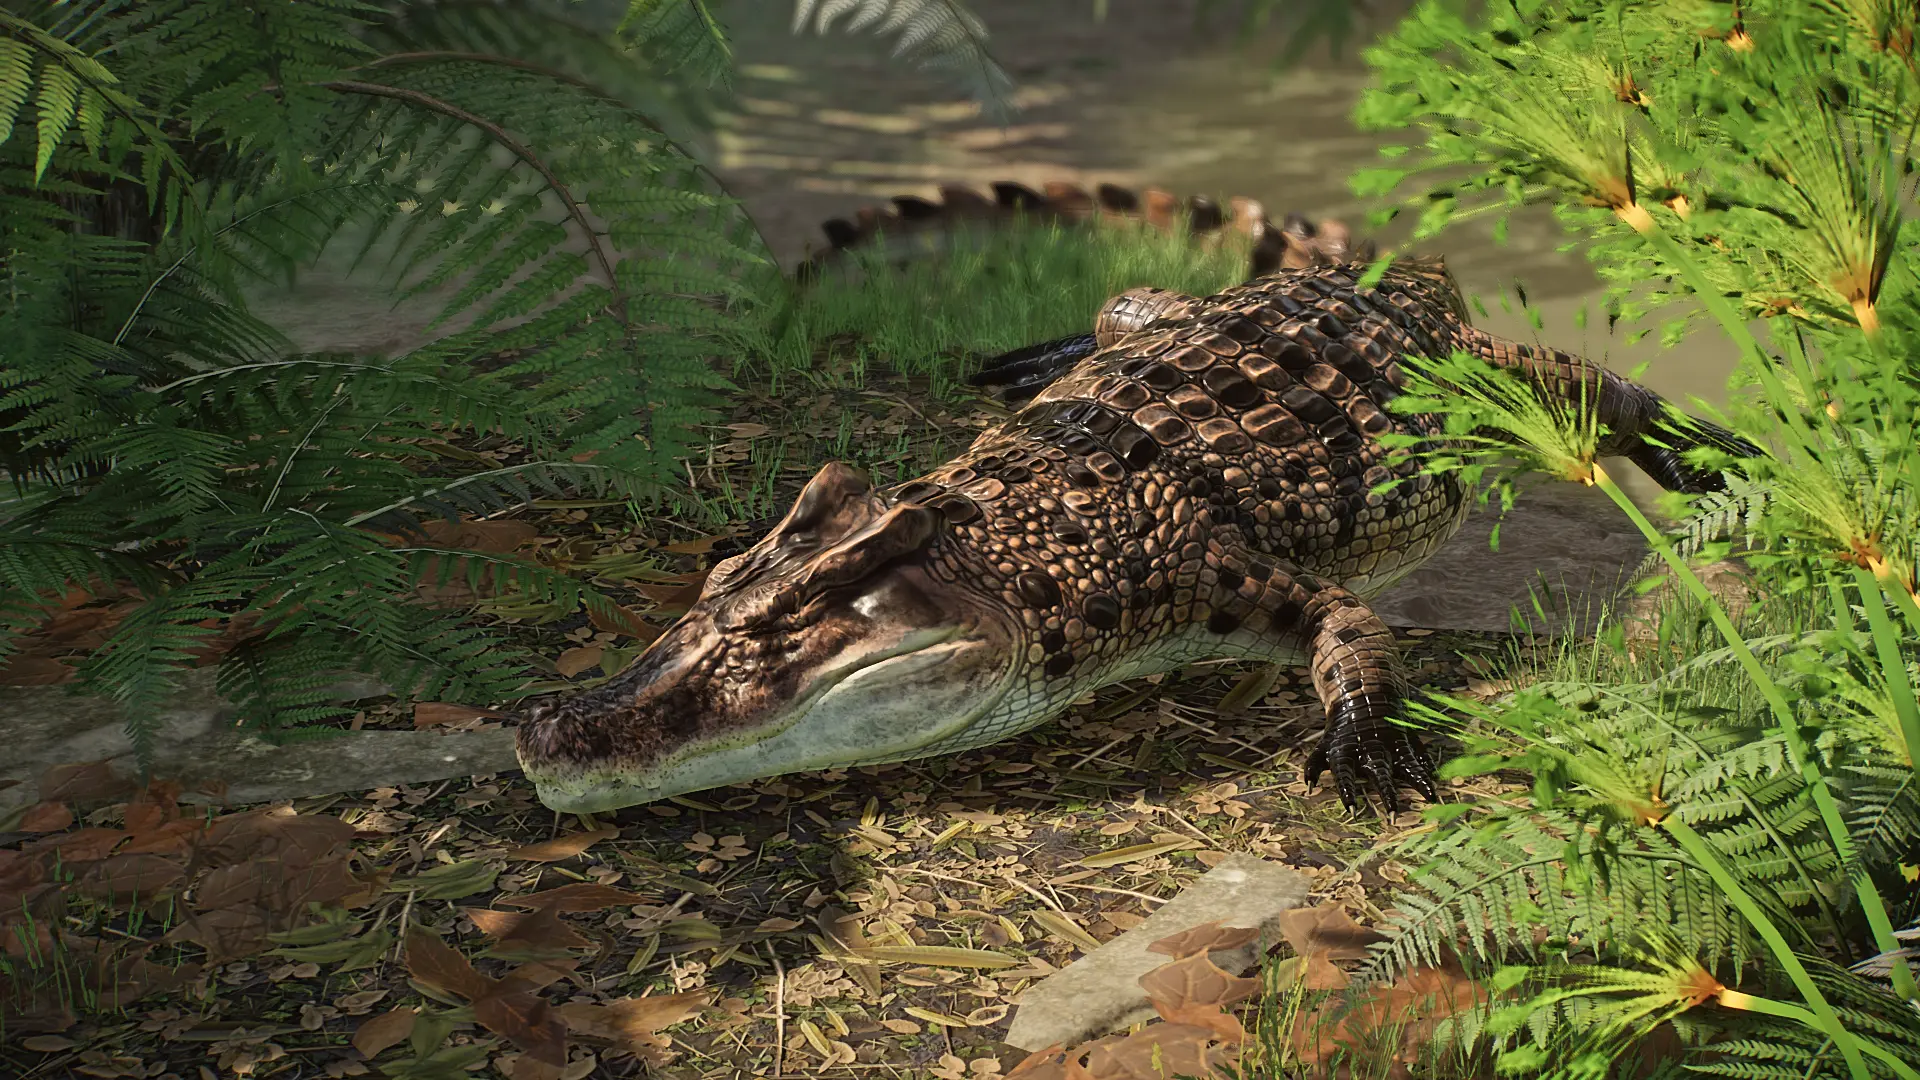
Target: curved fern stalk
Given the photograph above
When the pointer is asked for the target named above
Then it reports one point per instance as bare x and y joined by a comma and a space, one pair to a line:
710, 178
654, 244
660, 66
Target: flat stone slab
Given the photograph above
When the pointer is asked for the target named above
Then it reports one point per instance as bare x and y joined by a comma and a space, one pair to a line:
197, 742
1100, 992
1568, 542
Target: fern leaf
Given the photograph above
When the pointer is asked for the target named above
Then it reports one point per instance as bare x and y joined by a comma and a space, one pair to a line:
937, 34
16, 80
59, 94
682, 36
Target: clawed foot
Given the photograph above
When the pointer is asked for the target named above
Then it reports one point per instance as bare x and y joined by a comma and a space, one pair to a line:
1360, 744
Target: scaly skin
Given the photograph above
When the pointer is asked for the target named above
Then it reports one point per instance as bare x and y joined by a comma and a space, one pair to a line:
1196, 482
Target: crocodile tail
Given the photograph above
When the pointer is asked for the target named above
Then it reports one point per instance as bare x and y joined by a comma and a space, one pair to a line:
911, 224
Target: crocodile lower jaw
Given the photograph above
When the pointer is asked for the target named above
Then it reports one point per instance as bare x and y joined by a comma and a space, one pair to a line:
920, 694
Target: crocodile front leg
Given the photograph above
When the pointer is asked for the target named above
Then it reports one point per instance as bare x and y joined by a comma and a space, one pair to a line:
1353, 660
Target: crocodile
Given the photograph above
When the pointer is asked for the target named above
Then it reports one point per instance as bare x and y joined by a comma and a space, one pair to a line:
1197, 478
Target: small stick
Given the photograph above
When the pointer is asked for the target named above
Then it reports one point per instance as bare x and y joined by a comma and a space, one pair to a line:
779, 1013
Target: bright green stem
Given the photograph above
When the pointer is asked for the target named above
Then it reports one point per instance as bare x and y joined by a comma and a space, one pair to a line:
1842, 840
1886, 641
1787, 1011
1822, 1016
1906, 710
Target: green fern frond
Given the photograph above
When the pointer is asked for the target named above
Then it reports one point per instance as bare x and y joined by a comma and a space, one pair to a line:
683, 36
1731, 515
937, 34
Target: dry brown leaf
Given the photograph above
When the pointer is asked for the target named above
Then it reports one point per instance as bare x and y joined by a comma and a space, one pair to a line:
1205, 937
226, 934
1409, 1011
441, 966
125, 879
626, 621
21, 869
540, 974
153, 808
118, 972
1157, 1052
23, 670
79, 628
83, 783
672, 599
1197, 980
634, 1023
540, 927
526, 1020
176, 837
294, 839
580, 896
1327, 929
576, 660
428, 714
526, 1067
562, 847
1311, 972
1044, 1064
46, 817
80, 845
279, 887
23, 942
489, 536
1224, 1025
392, 1028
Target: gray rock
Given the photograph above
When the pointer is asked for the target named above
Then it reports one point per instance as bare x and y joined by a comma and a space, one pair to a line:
1100, 992
197, 742
1569, 543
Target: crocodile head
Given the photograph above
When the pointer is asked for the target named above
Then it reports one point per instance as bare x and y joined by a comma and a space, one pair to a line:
831, 642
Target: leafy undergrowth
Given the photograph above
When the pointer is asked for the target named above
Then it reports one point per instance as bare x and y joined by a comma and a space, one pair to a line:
829, 923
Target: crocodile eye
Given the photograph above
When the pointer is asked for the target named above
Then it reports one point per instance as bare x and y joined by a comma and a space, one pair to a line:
797, 539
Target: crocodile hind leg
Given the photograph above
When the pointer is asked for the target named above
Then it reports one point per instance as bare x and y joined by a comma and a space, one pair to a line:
1355, 672
1640, 424
1018, 376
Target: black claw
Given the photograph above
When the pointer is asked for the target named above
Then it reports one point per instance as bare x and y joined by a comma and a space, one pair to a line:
1380, 774
1377, 755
